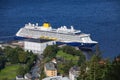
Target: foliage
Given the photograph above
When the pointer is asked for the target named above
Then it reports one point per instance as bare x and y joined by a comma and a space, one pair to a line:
83, 72
50, 51
60, 67
2, 62
21, 70
66, 56
69, 50
95, 69
5, 78
114, 70
42, 75
97, 50
22, 56
69, 57
72, 51
1, 50
18, 55
82, 57
9, 72
63, 68
11, 54
31, 59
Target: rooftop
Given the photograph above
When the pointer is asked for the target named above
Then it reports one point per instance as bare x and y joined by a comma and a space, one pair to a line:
50, 66
56, 78
75, 70
37, 40
28, 75
19, 77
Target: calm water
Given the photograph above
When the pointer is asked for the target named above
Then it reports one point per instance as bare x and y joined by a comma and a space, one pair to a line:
100, 18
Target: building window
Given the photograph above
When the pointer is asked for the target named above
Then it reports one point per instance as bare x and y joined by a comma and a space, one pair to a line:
51, 73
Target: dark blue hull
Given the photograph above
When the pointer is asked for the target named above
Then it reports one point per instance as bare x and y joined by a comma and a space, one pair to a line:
77, 44
19, 38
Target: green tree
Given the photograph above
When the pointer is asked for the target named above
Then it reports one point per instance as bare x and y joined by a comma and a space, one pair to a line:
83, 72
97, 69
67, 66
94, 67
50, 51
22, 56
82, 57
11, 54
18, 49
42, 75
69, 50
114, 69
21, 70
31, 58
8, 52
14, 59
5, 78
60, 68
63, 67
97, 50
1, 50
2, 62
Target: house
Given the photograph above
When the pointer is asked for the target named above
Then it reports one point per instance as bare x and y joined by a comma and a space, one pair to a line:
74, 72
28, 76
56, 78
19, 77
53, 78
102, 62
65, 78
117, 59
50, 69
37, 45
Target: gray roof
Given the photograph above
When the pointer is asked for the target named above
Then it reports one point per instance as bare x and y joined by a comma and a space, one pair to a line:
37, 40
75, 70
53, 78
50, 66
56, 78
19, 76
65, 78
28, 75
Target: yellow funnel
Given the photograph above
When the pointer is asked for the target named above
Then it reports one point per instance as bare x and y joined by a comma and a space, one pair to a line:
46, 25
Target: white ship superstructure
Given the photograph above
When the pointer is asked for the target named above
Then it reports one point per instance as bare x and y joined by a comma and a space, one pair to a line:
62, 34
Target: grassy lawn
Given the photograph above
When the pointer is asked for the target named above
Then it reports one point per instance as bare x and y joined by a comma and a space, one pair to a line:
9, 72
66, 56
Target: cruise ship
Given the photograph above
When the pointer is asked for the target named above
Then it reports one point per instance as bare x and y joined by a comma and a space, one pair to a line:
69, 36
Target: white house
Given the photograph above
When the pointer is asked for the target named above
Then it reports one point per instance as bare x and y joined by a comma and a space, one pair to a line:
56, 78
37, 45
28, 76
74, 73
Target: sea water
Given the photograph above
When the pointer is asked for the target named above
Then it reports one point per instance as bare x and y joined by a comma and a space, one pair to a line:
100, 18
